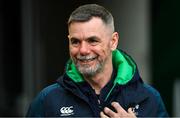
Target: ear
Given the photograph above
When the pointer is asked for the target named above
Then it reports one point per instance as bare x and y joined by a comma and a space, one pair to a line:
68, 36
114, 41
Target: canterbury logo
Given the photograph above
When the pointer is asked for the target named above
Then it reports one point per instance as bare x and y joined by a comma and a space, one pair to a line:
67, 111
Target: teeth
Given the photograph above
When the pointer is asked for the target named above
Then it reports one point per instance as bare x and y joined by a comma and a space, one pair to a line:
87, 60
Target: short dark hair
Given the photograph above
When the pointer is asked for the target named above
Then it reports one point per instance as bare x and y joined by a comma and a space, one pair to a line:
87, 12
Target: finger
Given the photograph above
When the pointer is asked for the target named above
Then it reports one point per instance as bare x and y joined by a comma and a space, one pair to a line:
102, 115
109, 112
130, 111
118, 107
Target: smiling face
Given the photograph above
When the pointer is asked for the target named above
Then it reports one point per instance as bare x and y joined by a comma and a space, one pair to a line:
90, 45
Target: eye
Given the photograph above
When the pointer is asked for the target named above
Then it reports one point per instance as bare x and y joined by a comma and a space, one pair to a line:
74, 42
93, 41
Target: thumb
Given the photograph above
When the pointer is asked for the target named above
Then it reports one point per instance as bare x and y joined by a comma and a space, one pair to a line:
102, 115
130, 110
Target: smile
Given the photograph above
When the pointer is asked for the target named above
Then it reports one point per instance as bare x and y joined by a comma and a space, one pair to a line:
86, 59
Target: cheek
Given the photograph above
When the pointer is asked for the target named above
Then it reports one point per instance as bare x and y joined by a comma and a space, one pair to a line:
101, 52
105, 53
72, 51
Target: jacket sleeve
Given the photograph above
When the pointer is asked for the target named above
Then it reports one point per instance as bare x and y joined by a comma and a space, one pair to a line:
156, 102
161, 107
36, 108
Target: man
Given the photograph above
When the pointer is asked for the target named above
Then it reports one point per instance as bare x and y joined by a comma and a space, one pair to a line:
99, 81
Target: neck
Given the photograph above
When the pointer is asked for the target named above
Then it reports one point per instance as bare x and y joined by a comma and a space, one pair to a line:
99, 80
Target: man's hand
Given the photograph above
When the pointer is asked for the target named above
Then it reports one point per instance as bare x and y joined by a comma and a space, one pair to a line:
120, 112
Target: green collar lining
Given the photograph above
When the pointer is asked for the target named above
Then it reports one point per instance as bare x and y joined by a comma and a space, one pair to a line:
125, 67
73, 73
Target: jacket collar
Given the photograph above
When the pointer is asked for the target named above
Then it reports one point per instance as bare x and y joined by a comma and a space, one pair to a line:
71, 86
131, 94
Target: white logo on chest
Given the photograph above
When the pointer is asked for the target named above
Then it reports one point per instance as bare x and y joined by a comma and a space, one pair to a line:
67, 111
136, 107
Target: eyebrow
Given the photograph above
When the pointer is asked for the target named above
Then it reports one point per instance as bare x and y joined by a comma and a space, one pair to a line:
93, 37
73, 38
88, 38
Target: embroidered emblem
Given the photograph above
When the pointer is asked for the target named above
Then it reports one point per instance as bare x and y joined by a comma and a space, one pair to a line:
67, 111
135, 108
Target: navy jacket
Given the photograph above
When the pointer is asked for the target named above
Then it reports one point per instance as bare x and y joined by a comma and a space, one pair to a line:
72, 96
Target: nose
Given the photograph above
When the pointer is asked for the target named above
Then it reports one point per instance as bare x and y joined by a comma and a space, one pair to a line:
84, 49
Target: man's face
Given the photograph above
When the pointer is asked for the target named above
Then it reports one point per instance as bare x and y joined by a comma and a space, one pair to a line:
90, 45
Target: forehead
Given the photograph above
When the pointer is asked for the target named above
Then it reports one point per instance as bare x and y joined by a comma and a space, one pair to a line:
93, 26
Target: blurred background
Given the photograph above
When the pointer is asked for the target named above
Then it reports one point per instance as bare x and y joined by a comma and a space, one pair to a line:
34, 46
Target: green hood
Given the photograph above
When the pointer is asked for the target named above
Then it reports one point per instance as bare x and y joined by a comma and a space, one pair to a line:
121, 62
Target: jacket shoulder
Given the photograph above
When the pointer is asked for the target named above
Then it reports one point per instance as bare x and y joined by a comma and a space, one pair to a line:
155, 96
151, 90
47, 90
36, 108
